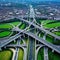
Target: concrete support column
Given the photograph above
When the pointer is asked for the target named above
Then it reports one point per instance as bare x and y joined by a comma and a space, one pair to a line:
25, 54
52, 50
23, 34
28, 37
46, 53
5, 47
37, 33
54, 39
45, 49
44, 37
36, 53
16, 54
22, 16
0, 49
35, 49
14, 41
20, 39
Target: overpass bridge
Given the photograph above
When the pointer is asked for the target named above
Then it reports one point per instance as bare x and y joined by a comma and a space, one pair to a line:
18, 46
18, 35
48, 44
40, 28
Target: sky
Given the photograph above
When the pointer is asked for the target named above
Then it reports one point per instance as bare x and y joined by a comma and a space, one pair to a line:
34, 0
29, 0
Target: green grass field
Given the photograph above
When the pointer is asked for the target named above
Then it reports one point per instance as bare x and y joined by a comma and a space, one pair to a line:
8, 25
22, 26
5, 25
49, 39
50, 23
57, 33
20, 54
21, 42
44, 22
16, 23
53, 55
26, 40
40, 54
4, 34
53, 25
6, 55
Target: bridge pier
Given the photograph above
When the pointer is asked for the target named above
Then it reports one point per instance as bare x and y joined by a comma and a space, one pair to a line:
25, 54
54, 39
44, 37
53, 51
14, 41
16, 54
37, 33
0, 49
5, 47
46, 53
23, 35
45, 49
37, 50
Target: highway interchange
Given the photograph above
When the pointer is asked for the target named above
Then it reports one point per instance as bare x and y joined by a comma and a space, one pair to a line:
32, 44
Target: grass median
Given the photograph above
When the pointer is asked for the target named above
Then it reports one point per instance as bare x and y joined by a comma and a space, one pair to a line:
20, 54
6, 55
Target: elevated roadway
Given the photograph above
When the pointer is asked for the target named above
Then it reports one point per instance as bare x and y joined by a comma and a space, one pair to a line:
48, 44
